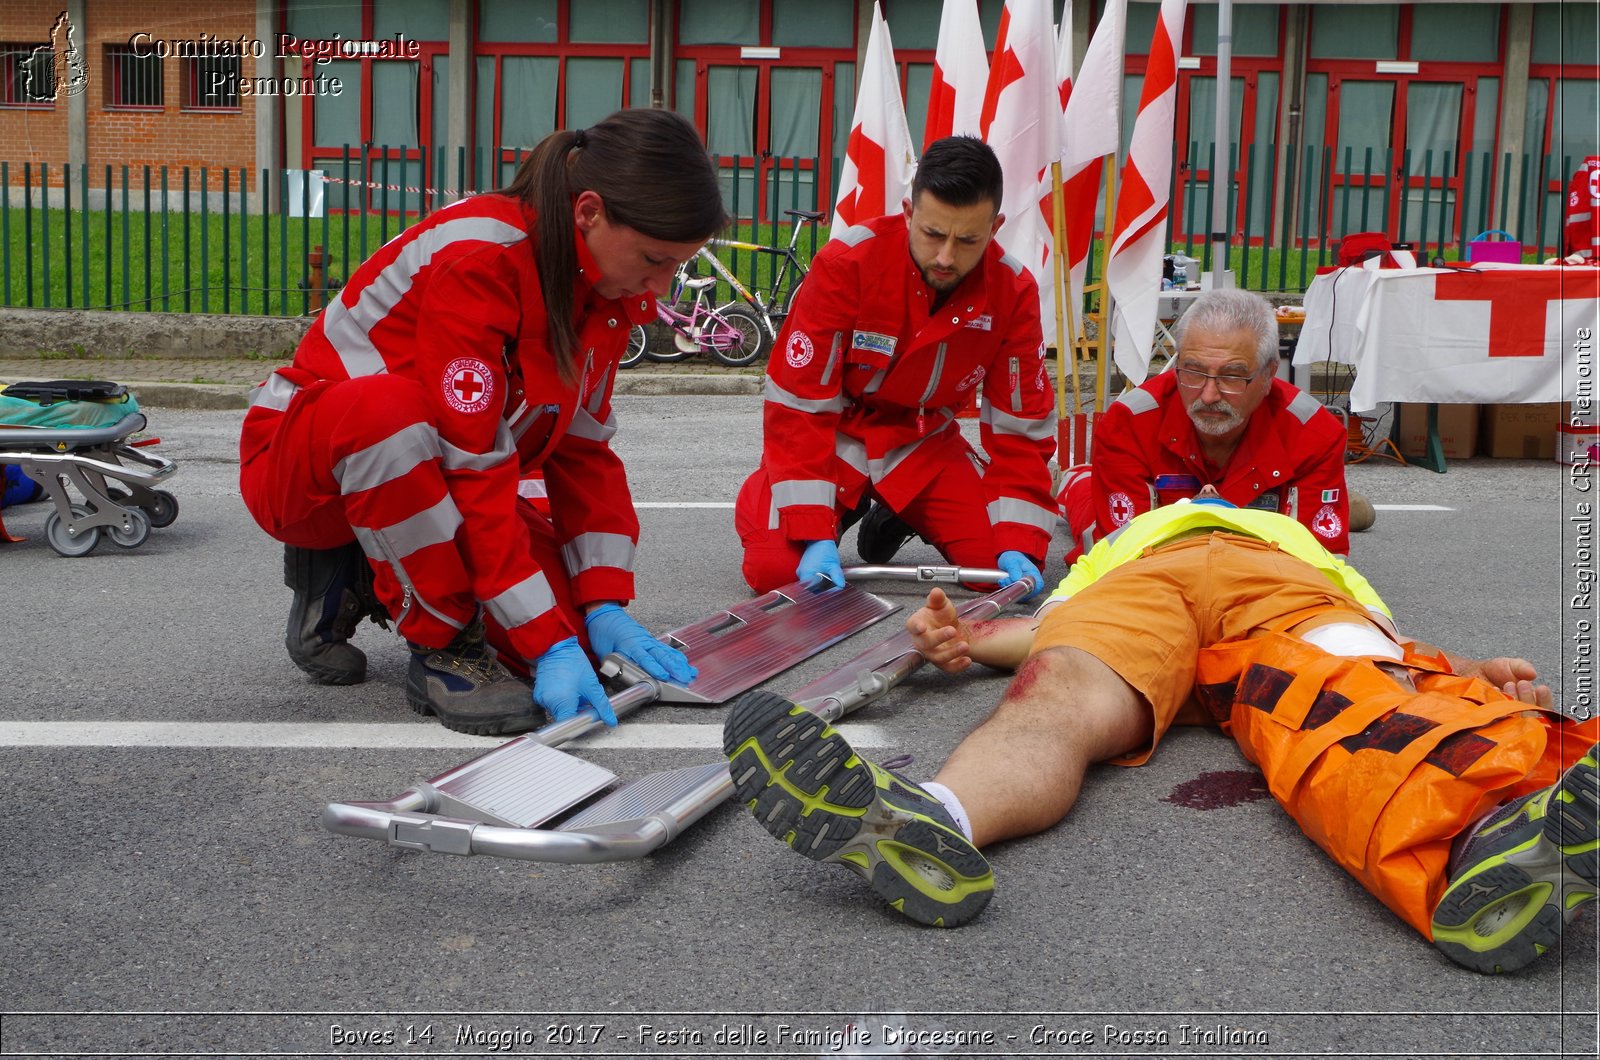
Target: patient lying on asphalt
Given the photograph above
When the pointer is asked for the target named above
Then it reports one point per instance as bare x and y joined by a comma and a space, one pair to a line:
1450, 788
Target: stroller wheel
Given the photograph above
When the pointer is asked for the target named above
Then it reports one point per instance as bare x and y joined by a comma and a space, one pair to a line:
163, 510
63, 540
133, 532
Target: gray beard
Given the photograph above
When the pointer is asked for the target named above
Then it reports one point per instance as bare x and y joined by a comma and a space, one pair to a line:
1215, 428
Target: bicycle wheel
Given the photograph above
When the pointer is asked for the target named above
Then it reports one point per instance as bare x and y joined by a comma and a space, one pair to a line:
674, 352
743, 338
638, 342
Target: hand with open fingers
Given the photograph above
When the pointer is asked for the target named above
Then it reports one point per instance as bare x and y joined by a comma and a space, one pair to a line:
611, 629
821, 558
564, 683
1017, 567
1517, 678
940, 635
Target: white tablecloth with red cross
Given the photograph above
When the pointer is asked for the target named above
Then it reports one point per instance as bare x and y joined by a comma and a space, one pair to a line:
1486, 333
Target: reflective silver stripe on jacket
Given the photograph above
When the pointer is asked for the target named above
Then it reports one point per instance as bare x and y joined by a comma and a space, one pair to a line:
803, 491
1139, 401
855, 235
789, 400
387, 459
1303, 407
884, 466
833, 358
586, 426
456, 459
348, 328
1014, 264
525, 601
595, 549
852, 451
1005, 423
1014, 510
274, 394
431, 526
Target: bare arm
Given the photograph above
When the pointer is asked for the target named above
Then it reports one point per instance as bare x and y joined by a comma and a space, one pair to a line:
953, 645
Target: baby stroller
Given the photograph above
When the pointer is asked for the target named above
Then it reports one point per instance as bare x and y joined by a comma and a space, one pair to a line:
75, 433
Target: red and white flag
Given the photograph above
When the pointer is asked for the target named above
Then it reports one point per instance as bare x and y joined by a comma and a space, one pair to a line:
1022, 122
960, 74
1047, 183
1138, 236
878, 160
1093, 128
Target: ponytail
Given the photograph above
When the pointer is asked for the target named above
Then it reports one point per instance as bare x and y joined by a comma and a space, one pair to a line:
653, 175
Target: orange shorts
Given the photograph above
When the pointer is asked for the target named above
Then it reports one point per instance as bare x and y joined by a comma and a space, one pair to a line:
1149, 619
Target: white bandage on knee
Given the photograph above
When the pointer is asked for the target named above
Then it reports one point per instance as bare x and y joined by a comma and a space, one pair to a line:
1352, 639
951, 803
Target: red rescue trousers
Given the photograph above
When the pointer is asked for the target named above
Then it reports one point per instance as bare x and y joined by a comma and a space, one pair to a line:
360, 459
950, 513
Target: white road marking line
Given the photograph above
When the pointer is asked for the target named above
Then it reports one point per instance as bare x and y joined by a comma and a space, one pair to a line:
683, 504
359, 736
1411, 508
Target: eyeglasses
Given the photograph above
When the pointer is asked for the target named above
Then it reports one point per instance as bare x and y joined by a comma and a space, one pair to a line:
1228, 384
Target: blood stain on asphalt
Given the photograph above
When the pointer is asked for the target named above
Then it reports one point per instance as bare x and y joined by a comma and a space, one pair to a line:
1216, 789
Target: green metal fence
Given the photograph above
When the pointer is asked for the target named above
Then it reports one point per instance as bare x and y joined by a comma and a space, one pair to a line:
186, 239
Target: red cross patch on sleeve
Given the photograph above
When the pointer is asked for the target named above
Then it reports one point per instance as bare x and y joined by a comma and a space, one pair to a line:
468, 386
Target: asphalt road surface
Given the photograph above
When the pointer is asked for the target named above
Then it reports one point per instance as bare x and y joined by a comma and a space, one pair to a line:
168, 889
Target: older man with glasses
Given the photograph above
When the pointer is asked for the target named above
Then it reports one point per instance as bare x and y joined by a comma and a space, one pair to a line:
1219, 418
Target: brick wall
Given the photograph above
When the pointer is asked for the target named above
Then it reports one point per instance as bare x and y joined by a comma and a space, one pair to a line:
33, 134
172, 136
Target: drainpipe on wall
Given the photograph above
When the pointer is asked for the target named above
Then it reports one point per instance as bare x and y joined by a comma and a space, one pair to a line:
269, 112
661, 20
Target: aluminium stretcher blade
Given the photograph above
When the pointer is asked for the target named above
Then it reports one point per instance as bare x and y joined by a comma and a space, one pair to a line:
525, 782
648, 813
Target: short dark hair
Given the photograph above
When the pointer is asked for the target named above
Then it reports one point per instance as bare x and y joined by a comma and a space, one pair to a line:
959, 171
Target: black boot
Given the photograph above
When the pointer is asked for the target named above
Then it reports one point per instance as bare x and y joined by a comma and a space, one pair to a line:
332, 594
467, 688
882, 534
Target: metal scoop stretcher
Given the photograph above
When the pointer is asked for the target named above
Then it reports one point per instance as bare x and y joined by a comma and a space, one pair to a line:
498, 803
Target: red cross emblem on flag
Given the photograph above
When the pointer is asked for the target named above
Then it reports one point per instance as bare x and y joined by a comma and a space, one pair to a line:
468, 386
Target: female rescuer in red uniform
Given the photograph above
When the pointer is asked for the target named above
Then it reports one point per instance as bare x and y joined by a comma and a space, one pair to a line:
477, 346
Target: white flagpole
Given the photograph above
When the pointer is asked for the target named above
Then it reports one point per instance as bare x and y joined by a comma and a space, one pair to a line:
1221, 171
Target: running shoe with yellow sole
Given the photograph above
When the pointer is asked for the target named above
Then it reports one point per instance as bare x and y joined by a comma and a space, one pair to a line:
1522, 876
807, 787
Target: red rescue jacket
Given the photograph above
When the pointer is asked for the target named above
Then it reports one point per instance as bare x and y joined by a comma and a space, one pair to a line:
454, 303
1290, 460
865, 382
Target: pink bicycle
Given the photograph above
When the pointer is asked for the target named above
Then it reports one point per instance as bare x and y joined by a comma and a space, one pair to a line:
732, 334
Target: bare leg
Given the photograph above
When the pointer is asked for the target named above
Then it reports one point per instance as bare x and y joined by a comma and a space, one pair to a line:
1020, 771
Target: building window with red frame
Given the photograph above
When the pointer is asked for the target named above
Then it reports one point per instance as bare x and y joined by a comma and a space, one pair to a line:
133, 80
211, 82
27, 75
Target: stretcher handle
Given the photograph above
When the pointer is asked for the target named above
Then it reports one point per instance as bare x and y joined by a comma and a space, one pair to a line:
403, 827
870, 675
623, 703
930, 573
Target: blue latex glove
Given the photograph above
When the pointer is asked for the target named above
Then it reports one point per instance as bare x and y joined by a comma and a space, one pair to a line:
564, 682
821, 558
611, 629
1017, 567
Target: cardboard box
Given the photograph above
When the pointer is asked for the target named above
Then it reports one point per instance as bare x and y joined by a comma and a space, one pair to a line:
1578, 444
1458, 430
1520, 432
